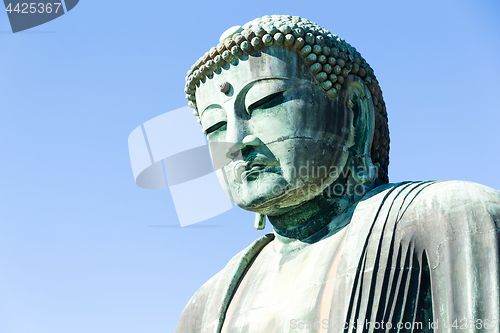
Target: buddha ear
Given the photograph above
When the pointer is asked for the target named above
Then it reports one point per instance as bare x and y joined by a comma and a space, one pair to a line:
358, 100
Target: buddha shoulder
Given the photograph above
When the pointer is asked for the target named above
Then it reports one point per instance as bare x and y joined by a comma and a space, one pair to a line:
442, 211
209, 302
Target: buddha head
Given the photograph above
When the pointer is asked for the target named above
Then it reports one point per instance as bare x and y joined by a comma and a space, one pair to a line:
291, 113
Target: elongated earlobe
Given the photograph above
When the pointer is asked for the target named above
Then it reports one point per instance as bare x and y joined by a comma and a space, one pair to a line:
359, 103
362, 169
260, 221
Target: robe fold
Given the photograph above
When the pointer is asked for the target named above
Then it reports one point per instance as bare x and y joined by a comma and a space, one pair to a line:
412, 257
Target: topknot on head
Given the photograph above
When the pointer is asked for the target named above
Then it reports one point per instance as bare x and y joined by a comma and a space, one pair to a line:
329, 58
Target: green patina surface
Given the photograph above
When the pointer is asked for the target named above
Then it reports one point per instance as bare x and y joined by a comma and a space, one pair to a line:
297, 130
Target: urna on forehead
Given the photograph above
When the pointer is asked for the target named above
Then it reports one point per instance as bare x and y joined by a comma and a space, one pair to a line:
328, 58
270, 63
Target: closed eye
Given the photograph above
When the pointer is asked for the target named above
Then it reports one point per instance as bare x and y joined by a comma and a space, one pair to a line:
215, 127
267, 102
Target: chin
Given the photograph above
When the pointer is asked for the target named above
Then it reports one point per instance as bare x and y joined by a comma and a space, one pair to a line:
294, 197
259, 193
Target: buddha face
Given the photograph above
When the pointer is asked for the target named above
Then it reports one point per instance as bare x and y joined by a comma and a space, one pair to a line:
276, 139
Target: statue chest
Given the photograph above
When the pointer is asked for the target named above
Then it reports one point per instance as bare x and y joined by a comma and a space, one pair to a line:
282, 290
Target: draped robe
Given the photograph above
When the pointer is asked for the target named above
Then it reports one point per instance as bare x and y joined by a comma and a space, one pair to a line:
407, 257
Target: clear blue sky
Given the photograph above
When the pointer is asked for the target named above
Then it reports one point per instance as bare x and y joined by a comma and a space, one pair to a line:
77, 250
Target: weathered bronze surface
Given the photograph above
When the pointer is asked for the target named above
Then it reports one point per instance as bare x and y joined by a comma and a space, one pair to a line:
298, 132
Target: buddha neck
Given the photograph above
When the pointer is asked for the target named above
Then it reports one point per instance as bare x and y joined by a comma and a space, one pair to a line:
313, 215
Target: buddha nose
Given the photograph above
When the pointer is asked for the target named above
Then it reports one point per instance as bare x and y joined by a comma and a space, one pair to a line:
248, 142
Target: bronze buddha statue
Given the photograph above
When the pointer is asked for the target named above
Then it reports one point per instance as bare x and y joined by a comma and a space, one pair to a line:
297, 129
